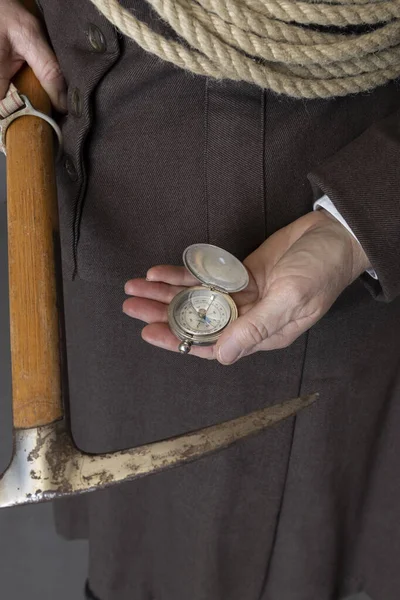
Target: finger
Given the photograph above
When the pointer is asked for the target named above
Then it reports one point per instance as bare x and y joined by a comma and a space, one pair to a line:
173, 275
9, 65
162, 292
28, 41
146, 310
4, 84
285, 336
159, 334
257, 325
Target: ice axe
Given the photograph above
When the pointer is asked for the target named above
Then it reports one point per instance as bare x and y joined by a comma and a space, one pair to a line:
46, 464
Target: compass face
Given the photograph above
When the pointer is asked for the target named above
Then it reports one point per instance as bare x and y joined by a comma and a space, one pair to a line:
201, 312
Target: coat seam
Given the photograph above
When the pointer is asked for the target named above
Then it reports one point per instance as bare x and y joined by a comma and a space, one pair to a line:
263, 170
81, 196
205, 157
278, 516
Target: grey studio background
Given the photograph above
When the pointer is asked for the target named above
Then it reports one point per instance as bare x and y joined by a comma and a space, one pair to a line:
34, 562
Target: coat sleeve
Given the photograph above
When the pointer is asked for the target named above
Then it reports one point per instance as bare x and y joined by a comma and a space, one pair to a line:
363, 182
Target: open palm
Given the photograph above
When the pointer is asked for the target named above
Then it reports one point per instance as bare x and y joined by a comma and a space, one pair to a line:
294, 278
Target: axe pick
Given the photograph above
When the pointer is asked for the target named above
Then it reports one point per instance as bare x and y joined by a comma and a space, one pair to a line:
46, 464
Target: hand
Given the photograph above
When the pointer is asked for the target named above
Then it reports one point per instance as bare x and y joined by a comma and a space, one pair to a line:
22, 39
295, 277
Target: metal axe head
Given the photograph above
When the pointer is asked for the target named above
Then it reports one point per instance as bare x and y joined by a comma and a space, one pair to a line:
46, 464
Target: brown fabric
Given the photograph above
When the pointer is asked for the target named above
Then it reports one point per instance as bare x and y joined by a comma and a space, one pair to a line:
367, 195
160, 159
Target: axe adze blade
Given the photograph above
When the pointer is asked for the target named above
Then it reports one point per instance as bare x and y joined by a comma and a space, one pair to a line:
47, 465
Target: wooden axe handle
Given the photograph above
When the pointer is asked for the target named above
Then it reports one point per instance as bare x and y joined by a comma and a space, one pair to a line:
32, 255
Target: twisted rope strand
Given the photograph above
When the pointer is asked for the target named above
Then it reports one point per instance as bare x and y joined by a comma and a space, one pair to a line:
265, 42
181, 15
355, 2
327, 14
235, 12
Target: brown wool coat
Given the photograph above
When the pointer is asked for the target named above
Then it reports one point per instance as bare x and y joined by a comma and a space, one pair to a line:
157, 159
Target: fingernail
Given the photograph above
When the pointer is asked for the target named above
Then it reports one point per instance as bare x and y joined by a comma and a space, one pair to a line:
63, 100
229, 351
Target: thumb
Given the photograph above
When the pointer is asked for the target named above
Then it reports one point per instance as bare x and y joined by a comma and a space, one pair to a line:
248, 331
31, 44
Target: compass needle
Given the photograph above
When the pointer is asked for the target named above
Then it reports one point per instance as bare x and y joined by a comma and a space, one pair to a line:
211, 301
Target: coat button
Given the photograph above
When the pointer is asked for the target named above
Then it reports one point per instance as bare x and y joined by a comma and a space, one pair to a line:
76, 103
96, 38
70, 168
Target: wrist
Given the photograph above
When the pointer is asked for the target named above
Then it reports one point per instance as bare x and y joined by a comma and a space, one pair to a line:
360, 261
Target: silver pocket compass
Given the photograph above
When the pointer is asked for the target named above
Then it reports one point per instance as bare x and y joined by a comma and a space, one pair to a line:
198, 315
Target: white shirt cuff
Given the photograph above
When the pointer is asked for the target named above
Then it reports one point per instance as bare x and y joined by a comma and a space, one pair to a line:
326, 203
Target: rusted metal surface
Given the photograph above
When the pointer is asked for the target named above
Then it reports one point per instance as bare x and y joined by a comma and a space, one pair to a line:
47, 465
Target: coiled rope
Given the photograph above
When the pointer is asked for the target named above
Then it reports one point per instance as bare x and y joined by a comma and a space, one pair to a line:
286, 46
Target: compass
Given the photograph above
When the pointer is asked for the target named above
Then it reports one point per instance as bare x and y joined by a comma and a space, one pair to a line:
198, 315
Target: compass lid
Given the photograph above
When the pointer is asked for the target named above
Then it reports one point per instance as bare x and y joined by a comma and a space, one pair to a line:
216, 267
